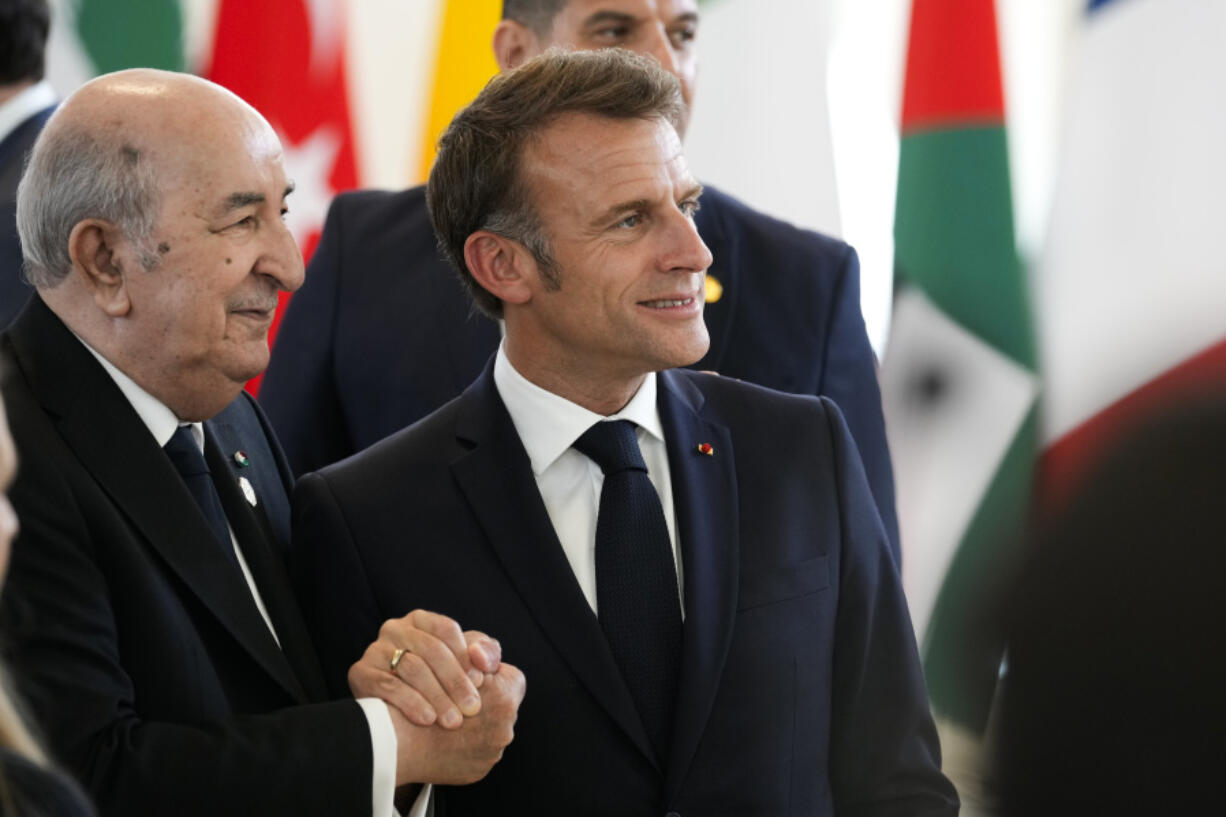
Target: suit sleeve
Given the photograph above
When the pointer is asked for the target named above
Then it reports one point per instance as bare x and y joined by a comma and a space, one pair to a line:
59, 611
299, 391
850, 380
885, 756
331, 583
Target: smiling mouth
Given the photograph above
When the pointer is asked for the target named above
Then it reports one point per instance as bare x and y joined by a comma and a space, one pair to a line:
667, 303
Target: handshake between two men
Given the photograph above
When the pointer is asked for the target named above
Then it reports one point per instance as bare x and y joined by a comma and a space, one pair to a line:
452, 700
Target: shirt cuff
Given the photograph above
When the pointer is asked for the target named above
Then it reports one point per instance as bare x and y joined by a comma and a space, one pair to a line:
383, 754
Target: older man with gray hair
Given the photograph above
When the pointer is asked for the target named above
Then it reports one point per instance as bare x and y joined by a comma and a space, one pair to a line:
148, 611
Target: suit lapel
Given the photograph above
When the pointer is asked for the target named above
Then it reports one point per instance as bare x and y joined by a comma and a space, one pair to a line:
719, 314
108, 437
496, 478
705, 500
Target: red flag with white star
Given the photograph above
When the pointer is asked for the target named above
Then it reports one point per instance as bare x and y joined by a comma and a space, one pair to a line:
287, 58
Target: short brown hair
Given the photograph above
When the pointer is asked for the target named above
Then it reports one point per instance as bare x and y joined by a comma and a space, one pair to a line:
476, 185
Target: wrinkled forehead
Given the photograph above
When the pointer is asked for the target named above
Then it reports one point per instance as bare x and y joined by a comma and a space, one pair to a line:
584, 157
221, 153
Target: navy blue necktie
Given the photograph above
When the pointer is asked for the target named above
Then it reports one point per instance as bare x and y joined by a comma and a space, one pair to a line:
188, 460
636, 577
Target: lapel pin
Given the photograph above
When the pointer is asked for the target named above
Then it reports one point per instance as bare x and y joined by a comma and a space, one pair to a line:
706, 449
248, 491
242, 459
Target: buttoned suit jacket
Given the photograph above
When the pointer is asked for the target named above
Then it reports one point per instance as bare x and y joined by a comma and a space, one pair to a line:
135, 640
14, 148
801, 692
383, 332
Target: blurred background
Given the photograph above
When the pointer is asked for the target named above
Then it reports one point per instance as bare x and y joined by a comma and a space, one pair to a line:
1034, 189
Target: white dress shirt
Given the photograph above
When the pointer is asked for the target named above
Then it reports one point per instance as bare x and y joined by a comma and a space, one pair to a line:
23, 105
162, 424
569, 482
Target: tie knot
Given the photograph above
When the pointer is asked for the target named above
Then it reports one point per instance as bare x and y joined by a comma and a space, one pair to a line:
613, 446
185, 455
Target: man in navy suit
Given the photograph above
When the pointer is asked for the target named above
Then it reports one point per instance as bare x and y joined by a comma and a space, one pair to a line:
690, 569
148, 612
382, 334
26, 101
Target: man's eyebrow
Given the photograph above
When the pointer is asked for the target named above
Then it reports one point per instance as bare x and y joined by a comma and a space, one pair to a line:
237, 201
607, 16
641, 204
621, 207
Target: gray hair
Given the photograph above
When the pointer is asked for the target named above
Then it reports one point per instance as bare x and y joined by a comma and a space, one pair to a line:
75, 175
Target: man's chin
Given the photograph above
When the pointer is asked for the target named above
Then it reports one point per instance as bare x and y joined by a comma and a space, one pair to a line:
251, 365
690, 351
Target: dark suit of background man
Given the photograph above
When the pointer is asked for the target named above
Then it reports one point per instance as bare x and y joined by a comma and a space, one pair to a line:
382, 333
1112, 700
792, 687
147, 610
25, 103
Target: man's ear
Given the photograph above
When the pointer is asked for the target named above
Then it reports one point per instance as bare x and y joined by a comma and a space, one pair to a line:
499, 265
92, 248
514, 43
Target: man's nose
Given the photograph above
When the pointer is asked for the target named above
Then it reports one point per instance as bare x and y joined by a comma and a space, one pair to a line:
660, 46
687, 252
282, 260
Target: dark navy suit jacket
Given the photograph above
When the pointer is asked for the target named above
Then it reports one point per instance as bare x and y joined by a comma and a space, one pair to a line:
383, 333
134, 639
801, 691
14, 291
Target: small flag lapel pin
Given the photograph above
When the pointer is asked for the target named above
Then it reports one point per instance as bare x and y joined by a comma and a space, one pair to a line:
242, 459
706, 449
248, 491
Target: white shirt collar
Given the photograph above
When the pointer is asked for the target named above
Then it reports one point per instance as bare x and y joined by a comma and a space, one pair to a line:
157, 417
549, 424
24, 105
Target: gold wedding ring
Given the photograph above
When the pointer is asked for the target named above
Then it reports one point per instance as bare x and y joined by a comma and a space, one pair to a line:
396, 656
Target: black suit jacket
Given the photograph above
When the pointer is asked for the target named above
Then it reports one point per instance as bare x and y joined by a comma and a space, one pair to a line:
14, 291
801, 692
136, 642
383, 332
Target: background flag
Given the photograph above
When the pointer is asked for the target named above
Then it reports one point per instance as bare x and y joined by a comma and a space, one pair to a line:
464, 64
958, 380
287, 58
1131, 288
91, 37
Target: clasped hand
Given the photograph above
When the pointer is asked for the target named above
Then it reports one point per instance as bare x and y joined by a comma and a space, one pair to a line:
452, 700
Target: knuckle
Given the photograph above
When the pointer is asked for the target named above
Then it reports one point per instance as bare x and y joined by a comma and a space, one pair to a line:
413, 666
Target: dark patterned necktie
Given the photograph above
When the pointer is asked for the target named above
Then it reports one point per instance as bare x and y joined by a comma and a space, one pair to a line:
188, 460
636, 577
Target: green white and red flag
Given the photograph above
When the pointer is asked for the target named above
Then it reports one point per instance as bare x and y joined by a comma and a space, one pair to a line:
959, 380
